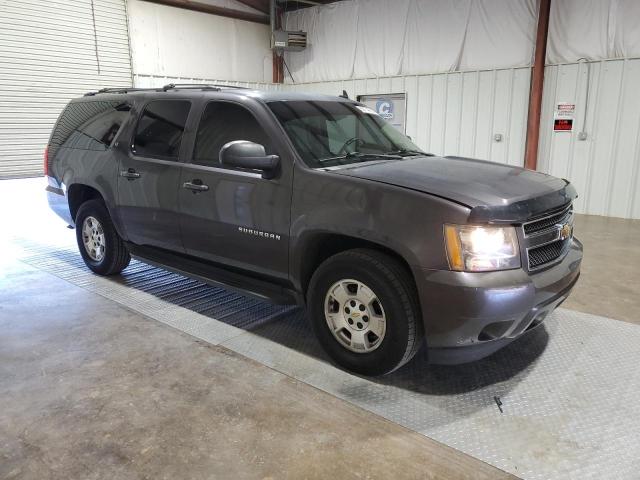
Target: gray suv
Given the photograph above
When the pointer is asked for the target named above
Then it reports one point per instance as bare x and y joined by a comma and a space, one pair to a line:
317, 201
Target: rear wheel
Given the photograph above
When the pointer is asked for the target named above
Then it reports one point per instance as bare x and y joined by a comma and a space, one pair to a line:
102, 249
364, 310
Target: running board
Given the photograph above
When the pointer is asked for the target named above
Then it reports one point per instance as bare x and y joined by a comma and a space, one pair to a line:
216, 275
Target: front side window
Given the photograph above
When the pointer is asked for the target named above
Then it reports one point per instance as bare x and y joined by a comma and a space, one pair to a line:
224, 122
331, 133
160, 128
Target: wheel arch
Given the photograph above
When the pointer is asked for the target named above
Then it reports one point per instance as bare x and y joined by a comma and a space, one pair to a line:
319, 246
79, 193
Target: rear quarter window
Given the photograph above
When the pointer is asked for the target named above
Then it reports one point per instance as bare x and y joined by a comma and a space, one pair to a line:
88, 126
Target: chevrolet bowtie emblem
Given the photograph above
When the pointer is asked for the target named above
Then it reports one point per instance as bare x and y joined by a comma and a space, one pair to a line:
565, 231
355, 314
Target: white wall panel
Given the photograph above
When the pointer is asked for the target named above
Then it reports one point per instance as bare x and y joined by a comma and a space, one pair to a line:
604, 167
455, 113
169, 41
593, 29
50, 52
362, 38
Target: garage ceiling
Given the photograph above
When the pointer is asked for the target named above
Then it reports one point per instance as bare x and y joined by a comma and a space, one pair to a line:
258, 9
287, 5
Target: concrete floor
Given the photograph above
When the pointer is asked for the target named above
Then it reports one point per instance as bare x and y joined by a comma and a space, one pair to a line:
610, 281
90, 389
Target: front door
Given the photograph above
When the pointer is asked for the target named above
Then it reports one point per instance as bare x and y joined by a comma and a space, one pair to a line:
149, 176
229, 215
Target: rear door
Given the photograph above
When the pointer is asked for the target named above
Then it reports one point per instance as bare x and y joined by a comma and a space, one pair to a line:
149, 175
238, 218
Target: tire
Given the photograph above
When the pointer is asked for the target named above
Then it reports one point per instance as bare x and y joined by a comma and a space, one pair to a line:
109, 255
361, 273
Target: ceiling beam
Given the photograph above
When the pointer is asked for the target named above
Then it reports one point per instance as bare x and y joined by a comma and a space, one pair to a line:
299, 4
260, 5
310, 2
214, 10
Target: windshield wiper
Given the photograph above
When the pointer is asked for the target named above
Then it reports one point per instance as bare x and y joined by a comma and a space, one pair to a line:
407, 152
360, 155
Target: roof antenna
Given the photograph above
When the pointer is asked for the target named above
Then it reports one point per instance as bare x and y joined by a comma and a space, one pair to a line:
344, 94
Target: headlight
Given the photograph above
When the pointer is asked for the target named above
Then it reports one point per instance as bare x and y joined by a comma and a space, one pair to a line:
480, 249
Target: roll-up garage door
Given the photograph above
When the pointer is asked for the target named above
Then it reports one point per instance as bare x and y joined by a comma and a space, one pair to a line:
50, 52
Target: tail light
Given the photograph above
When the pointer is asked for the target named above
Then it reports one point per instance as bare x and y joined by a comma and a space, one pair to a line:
46, 161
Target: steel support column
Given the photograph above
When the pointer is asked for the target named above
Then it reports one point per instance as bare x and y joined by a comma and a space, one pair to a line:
537, 82
275, 20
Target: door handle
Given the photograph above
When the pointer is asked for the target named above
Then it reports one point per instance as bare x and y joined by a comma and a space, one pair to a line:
196, 186
129, 174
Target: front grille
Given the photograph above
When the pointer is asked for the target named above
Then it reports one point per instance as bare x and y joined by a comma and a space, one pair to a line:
546, 237
544, 254
548, 222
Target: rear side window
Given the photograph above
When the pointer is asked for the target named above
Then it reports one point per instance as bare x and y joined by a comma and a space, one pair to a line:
88, 126
224, 122
99, 132
160, 129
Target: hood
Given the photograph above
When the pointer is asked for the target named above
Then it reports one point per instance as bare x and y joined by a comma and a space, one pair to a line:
493, 191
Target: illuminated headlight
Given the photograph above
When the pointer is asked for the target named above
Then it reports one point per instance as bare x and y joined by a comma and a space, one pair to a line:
480, 249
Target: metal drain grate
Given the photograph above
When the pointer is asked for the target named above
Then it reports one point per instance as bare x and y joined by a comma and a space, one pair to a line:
141, 287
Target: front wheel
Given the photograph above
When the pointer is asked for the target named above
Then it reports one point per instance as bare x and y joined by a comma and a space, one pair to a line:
364, 310
102, 249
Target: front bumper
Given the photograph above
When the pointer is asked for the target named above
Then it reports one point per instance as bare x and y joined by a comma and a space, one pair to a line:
468, 316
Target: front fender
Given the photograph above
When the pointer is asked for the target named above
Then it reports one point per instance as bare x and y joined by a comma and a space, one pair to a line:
405, 221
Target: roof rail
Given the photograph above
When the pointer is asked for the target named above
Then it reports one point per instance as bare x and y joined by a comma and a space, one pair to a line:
169, 86
119, 90
203, 86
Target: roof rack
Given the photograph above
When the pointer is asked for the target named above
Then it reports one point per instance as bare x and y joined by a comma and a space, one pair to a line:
119, 90
169, 86
203, 86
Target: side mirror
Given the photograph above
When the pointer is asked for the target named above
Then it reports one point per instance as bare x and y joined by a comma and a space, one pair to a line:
245, 154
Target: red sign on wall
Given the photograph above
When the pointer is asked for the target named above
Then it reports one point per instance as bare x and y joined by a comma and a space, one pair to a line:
563, 117
563, 124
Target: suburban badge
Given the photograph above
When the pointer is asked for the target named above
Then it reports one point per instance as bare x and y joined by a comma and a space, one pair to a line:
259, 233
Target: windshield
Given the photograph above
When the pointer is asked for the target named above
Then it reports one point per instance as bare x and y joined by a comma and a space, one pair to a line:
331, 133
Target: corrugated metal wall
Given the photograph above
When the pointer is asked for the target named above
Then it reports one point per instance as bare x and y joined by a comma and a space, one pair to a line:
154, 81
51, 51
459, 113
605, 166
456, 113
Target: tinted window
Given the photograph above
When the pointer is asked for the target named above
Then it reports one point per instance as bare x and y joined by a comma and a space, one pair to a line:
160, 128
88, 125
100, 131
330, 133
222, 123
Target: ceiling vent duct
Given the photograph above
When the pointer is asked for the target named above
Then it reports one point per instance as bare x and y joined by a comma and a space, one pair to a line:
289, 41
